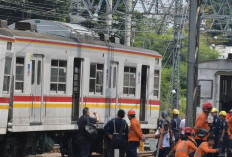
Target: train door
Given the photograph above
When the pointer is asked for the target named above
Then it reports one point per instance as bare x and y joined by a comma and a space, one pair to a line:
36, 88
226, 93
143, 93
113, 79
76, 89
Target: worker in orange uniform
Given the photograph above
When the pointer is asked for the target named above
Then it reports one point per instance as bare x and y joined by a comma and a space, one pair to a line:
230, 133
206, 148
188, 146
185, 147
134, 136
201, 128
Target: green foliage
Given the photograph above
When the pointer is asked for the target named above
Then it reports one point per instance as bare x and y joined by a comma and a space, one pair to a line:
163, 44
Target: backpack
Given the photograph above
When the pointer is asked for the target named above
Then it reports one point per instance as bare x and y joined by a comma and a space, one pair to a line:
117, 138
91, 130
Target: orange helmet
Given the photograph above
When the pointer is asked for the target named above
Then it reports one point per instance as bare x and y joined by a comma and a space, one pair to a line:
207, 106
131, 112
187, 130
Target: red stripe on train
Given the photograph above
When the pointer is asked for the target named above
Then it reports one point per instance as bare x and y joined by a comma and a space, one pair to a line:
4, 100
46, 98
87, 100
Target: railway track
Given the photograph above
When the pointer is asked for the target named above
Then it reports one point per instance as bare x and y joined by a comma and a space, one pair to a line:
57, 154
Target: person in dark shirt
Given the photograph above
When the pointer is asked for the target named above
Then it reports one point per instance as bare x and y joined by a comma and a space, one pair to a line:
216, 125
223, 133
83, 140
175, 123
112, 128
163, 119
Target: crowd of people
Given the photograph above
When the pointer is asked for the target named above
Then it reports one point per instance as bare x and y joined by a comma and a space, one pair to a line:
206, 139
174, 138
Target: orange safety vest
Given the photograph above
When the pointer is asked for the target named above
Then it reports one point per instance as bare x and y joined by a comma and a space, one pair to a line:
230, 127
162, 138
135, 132
201, 124
184, 148
203, 150
194, 142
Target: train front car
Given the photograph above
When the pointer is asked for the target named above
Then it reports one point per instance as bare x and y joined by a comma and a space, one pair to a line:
215, 78
6, 46
64, 68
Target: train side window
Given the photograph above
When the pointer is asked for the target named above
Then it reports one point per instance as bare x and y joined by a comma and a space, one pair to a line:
7, 72
96, 78
206, 88
19, 74
129, 82
58, 76
156, 83
9, 46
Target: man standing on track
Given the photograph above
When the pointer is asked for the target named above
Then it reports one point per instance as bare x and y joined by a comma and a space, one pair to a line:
134, 136
83, 140
201, 128
175, 123
216, 125
164, 116
166, 139
223, 133
117, 131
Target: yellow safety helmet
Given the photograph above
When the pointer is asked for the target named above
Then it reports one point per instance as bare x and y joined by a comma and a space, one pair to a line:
175, 111
223, 113
214, 110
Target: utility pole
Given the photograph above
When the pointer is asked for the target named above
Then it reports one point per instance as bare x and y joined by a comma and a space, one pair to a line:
193, 48
178, 26
109, 17
128, 23
75, 10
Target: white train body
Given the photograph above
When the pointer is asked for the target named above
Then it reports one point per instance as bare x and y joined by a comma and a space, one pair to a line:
215, 78
46, 81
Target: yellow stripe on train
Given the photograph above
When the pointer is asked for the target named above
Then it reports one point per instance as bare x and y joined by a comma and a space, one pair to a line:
38, 105
4, 107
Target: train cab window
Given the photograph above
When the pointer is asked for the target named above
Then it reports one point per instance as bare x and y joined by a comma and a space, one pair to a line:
58, 76
129, 82
7, 72
19, 74
156, 83
96, 78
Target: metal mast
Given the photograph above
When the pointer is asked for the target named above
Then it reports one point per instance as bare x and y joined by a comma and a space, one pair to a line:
128, 23
193, 48
178, 26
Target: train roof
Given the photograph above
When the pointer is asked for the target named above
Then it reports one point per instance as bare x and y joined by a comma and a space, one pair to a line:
216, 64
53, 30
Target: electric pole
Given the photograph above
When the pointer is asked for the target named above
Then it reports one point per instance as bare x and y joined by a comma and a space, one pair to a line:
128, 23
109, 16
178, 26
193, 48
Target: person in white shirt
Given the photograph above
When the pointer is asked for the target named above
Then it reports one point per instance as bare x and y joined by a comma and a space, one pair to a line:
182, 126
166, 139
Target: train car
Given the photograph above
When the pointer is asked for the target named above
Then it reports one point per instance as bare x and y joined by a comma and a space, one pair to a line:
48, 76
215, 78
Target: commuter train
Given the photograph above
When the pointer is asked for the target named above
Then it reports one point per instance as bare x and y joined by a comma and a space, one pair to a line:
49, 74
215, 80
